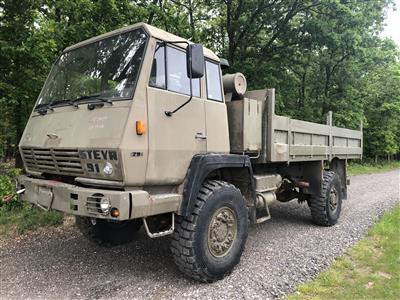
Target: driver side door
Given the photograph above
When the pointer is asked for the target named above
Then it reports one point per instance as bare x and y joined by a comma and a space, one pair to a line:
173, 140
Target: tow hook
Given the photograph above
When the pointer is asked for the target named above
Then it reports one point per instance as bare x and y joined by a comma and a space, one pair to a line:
8, 198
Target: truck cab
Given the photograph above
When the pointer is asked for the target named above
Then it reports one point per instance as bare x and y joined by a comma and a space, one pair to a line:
101, 90
139, 127
100, 118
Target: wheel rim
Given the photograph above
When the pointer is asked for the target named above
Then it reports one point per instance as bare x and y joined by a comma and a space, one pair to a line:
333, 199
222, 231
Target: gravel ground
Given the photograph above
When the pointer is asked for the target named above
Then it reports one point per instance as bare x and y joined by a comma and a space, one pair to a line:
279, 254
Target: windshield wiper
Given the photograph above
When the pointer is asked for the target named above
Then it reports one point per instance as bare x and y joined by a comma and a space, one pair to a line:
83, 97
94, 97
66, 101
44, 107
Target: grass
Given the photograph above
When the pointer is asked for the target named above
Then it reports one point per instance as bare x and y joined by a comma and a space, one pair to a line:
371, 168
18, 217
26, 218
369, 270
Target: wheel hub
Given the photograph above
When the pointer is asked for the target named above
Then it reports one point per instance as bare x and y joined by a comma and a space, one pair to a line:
222, 231
333, 199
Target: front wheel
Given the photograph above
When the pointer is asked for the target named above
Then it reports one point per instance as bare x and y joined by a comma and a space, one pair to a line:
208, 244
326, 206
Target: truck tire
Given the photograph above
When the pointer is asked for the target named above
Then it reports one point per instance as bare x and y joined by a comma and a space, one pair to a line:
326, 206
208, 243
108, 233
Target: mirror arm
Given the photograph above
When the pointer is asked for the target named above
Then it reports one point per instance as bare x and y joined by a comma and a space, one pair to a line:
170, 113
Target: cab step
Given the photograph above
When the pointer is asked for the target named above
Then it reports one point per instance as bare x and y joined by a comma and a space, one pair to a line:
263, 199
160, 233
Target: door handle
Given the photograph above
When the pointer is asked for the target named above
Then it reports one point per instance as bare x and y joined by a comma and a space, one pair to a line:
200, 136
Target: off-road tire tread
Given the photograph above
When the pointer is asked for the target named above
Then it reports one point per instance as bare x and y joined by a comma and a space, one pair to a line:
183, 237
317, 203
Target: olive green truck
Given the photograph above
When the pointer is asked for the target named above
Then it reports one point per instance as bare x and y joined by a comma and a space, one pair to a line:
138, 128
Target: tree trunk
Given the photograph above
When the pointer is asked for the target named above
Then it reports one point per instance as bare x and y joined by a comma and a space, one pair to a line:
151, 15
191, 21
326, 90
231, 34
303, 90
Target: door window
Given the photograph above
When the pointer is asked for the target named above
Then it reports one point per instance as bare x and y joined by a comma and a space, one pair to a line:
175, 68
213, 81
157, 75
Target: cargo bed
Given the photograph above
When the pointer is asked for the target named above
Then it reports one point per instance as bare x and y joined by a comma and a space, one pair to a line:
284, 139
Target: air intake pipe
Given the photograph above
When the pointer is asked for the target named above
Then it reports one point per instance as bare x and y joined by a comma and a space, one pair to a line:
235, 84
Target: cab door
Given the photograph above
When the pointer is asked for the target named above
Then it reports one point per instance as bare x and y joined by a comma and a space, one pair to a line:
173, 140
216, 111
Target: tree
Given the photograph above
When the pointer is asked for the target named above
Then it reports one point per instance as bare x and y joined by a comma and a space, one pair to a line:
319, 55
21, 63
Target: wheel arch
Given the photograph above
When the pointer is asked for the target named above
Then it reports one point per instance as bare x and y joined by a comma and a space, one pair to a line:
232, 168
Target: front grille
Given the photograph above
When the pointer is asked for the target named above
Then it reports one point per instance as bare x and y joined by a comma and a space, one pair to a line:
56, 161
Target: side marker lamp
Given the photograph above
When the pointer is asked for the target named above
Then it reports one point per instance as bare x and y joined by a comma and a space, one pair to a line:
140, 128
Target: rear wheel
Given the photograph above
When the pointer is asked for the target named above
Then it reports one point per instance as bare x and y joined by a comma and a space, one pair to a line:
326, 206
208, 244
108, 233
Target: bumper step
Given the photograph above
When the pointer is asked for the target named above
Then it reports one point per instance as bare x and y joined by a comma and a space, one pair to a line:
160, 233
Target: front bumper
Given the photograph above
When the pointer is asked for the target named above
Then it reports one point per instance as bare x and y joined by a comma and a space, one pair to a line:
83, 201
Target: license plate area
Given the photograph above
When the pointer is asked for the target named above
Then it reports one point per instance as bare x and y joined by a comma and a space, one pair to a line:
45, 197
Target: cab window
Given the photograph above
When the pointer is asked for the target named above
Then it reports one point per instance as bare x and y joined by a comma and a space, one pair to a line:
213, 81
157, 75
176, 79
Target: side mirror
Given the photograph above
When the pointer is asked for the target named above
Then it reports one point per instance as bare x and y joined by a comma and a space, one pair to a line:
195, 60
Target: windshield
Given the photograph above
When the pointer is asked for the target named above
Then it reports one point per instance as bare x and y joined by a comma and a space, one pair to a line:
107, 68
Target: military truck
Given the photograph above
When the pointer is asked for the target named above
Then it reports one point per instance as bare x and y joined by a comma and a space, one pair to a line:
138, 127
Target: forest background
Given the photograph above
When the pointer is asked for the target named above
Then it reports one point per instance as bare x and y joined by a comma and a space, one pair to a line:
319, 55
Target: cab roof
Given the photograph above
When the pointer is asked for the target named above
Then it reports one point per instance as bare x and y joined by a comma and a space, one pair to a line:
151, 31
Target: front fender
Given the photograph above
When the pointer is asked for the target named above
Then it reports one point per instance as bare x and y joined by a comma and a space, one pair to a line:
202, 165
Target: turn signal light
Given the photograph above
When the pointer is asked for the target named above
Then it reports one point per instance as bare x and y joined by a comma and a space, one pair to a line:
114, 212
140, 128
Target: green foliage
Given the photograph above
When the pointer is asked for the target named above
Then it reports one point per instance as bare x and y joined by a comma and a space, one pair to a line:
356, 168
370, 270
7, 187
26, 218
17, 217
320, 55
383, 112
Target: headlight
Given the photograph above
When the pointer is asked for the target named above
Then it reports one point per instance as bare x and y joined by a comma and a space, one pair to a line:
108, 168
105, 205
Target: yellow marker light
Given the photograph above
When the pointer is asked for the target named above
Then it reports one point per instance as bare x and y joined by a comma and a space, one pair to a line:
114, 212
140, 128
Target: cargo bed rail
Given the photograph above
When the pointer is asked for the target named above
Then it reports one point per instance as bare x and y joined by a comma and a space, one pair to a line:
285, 139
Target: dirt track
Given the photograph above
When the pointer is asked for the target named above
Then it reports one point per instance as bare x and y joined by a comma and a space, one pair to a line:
279, 254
